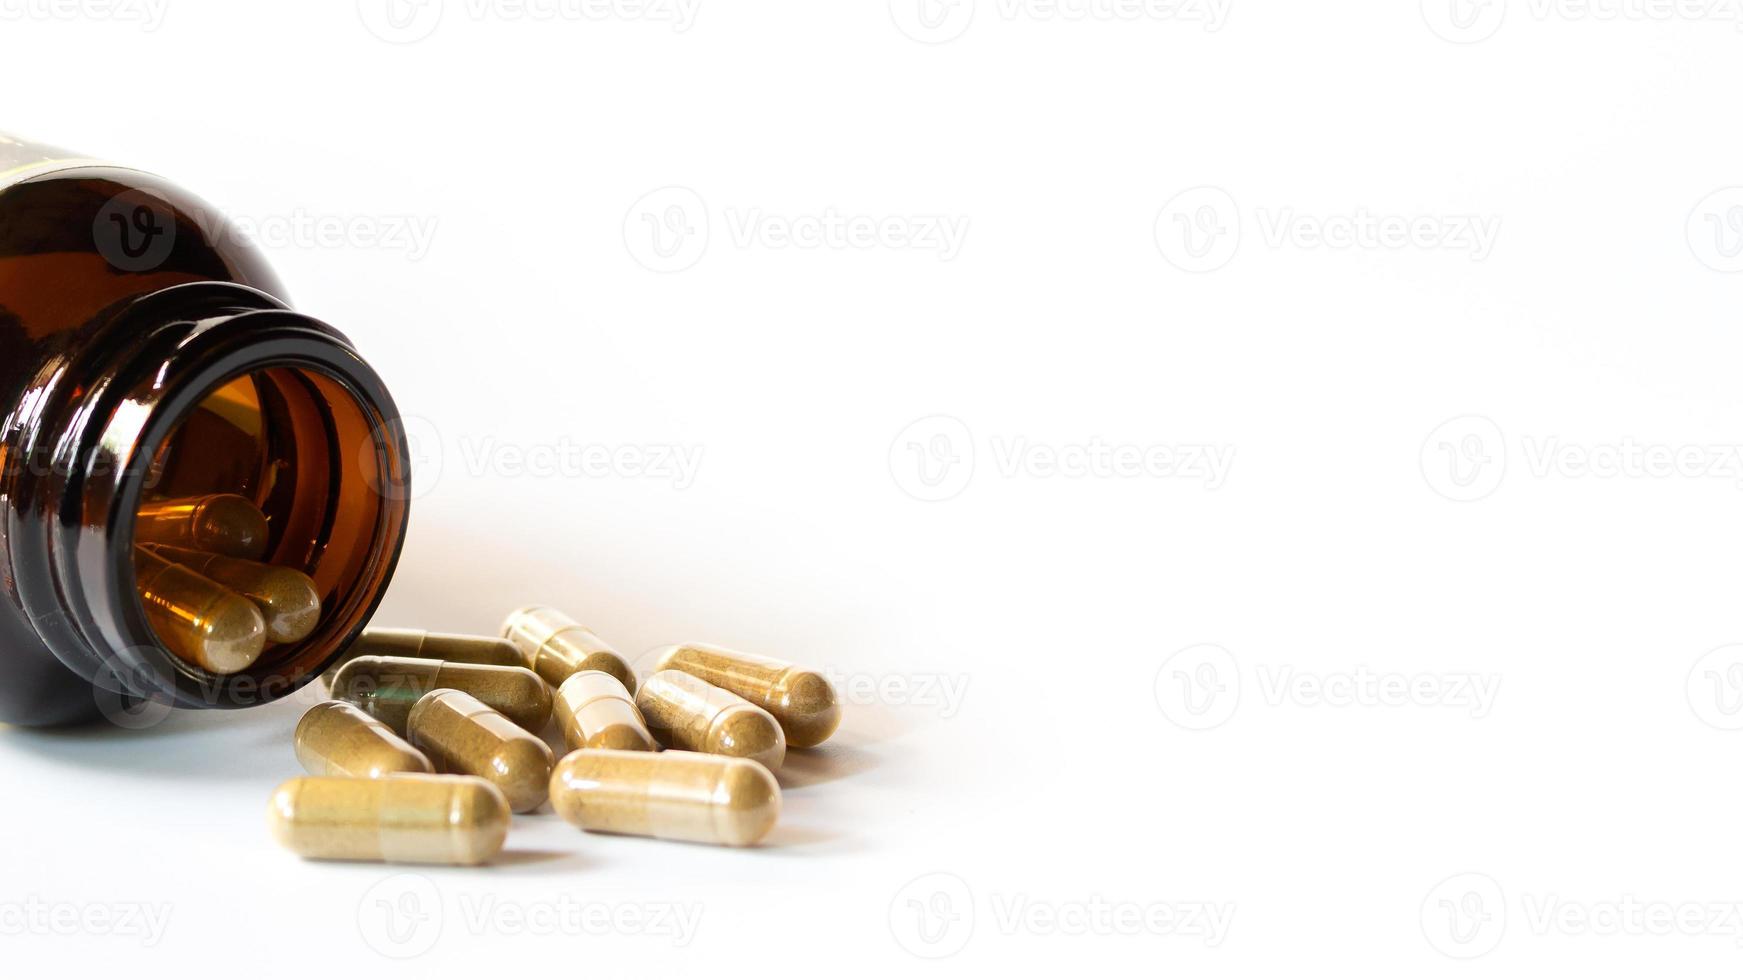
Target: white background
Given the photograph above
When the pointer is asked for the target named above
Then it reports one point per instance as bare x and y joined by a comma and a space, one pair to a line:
1425, 674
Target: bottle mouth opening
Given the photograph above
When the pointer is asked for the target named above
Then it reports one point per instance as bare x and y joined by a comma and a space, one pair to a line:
301, 447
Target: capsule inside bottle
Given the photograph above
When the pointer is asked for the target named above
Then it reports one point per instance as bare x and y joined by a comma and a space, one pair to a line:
288, 600
803, 701
335, 738
686, 712
223, 523
464, 735
387, 688
197, 619
708, 799
557, 647
285, 474
596, 712
412, 818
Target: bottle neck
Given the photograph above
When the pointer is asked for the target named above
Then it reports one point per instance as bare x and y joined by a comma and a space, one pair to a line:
304, 428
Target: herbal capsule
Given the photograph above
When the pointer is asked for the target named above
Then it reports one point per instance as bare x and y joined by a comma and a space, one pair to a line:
556, 646
335, 738
596, 712
412, 817
687, 712
803, 701
387, 687
708, 799
462, 734
197, 619
288, 599
455, 648
221, 522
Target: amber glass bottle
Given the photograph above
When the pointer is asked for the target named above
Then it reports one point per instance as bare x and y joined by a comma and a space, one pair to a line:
147, 354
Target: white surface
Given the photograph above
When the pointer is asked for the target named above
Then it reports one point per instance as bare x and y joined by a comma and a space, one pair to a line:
1599, 772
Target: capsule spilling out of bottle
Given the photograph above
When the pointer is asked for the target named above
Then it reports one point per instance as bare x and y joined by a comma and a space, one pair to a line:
556, 646
454, 648
435, 739
686, 712
414, 818
595, 711
335, 738
801, 700
687, 796
462, 734
387, 688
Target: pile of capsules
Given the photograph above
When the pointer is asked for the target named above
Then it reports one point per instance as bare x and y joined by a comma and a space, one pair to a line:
434, 738
206, 593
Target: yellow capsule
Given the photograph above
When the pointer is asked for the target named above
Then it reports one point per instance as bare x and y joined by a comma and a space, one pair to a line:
463, 734
221, 522
803, 701
556, 646
412, 817
288, 599
687, 712
597, 712
197, 619
335, 738
387, 687
455, 648
708, 799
